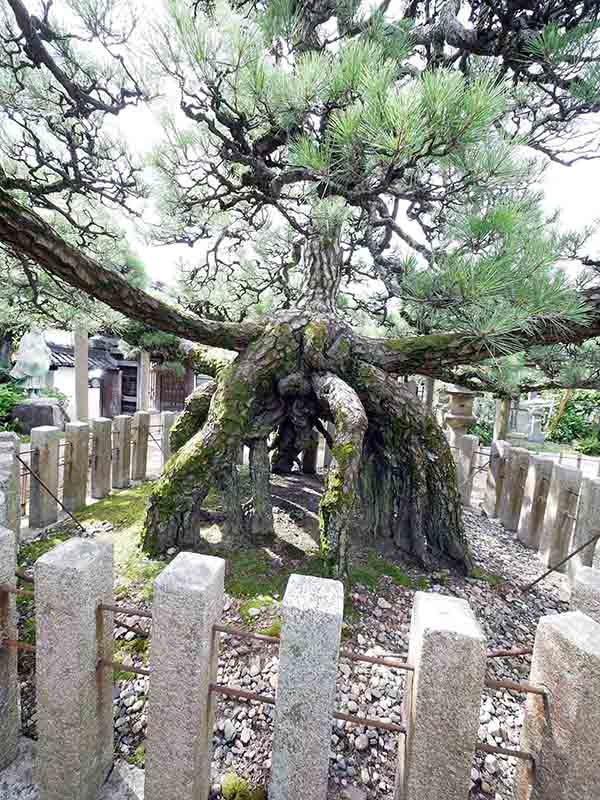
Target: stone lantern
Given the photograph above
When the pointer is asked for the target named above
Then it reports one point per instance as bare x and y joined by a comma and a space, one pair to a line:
459, 416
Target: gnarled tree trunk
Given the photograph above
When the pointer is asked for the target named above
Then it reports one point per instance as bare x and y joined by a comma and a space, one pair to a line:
390, 459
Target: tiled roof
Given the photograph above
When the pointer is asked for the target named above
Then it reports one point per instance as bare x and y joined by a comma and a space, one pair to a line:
63, 356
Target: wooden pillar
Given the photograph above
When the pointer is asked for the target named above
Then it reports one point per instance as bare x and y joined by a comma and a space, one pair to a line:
143, 382
502, 417
111, 393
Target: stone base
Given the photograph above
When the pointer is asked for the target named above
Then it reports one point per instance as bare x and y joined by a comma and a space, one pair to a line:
35, 413
16, 781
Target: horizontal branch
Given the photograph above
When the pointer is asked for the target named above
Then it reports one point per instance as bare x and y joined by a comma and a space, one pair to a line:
26, 234
408, 354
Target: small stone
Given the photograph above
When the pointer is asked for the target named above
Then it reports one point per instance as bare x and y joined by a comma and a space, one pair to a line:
491, 763
361, 742
246, 735
352, 707
171, 551
383, 603
229, 731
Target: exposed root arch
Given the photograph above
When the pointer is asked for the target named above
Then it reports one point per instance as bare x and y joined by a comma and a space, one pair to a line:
340, 498
408, 478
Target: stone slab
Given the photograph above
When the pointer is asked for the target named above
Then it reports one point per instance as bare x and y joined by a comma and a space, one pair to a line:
566, 661
535, 497
126, 782
442, 699
560, 514
585, 592
312, 611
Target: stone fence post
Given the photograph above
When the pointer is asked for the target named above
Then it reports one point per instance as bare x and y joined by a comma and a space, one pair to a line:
167, 419
10, 483
517, 464
312, 611
442, 699
587, 525
43, 508
494, 485
560, 515
141, 434
121, 451
465, 465
77, 454
101, 457
535, 497
188, 601
74, 696
9, 708
585, 592
566, 661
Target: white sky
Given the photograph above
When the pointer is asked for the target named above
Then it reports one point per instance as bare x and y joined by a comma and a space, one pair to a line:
574, 190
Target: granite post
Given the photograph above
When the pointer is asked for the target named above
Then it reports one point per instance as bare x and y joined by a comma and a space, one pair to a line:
143, 382
517, 464
535, 497
80, 350
121, 451
74, 694
465, 462
585, 592
77, 450
312, 611
9, 679
43, 508
167, 419
141, 434
188, 602
10, 483
565, 741
560, 515
101, 457
586, 526
502, 417
494, 484
442, 699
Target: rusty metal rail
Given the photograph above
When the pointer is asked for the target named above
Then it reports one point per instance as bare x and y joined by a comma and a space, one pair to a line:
130, 611
243, 694
15, 590
515, 686
553, 568
505, 751
15, 644
121, 666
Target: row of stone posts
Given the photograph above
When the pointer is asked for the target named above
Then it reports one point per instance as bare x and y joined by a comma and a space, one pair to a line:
441, 707
114, 451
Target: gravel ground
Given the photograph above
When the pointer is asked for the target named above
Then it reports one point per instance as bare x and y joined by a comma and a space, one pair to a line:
362, 760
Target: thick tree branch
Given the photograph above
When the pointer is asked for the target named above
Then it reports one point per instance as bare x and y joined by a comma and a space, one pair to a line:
28, 235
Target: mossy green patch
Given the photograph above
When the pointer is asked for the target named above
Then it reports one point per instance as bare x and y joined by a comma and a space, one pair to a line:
368, 574
413, 345
135, 647
481, 575
29, 553
235, 788
274, 629
254, 603
139, 756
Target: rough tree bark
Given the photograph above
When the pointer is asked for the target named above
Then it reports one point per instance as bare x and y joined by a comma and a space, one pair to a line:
390, 460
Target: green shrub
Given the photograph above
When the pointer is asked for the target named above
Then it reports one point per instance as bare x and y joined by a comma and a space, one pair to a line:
590, 446
575, 421
484, 430
10, 395
235, 788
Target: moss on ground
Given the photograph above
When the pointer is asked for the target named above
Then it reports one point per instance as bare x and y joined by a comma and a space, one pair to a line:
375, 567
255, 603
139, 756
235, 788
492, 580
29, 553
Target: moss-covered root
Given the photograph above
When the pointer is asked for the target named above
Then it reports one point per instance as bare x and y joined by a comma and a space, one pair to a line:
261, 520
340, 498
193, 417
408, 480
243, 406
